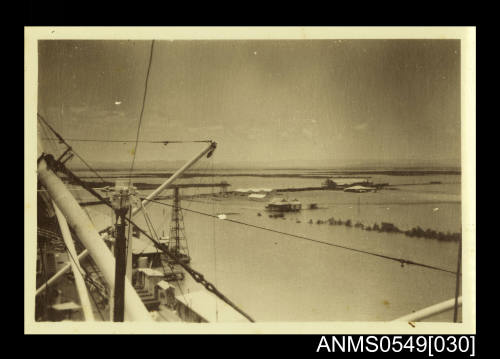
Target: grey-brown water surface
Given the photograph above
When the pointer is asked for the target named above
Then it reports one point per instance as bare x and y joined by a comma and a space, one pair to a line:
275, 277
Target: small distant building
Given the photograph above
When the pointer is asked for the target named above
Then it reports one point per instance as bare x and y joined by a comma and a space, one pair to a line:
295, 205
282, 205
261, 190
359, 189
242, 191
246, 191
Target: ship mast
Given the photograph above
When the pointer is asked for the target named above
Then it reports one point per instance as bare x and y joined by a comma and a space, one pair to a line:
208, 151
126, 303
177, 226
121, 198
81, 224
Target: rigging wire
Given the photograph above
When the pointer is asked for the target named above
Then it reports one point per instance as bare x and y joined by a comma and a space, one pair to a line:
58, 237
128, 244
198, 276
161, 226
400, 260
98, 285
142, 108
165, 142
139, 129
85, 276
51, 142
214, 237
87, 280
149, 223
44, 266
171, 267
155, 234
61, 139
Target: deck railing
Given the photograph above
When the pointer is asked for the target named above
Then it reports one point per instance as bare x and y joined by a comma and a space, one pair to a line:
431, 311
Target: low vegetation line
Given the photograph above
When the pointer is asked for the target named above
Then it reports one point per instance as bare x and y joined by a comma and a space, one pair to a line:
387, 227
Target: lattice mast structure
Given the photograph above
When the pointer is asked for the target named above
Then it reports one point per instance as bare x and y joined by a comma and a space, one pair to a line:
177, 232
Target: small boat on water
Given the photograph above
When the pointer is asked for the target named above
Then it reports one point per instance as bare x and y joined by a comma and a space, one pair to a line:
283, 205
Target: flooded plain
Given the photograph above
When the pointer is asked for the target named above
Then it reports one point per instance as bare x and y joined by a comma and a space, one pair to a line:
275, 277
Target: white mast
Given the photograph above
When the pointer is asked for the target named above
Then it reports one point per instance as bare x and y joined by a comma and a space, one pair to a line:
75, 266
90, 238
86, 232
145, 202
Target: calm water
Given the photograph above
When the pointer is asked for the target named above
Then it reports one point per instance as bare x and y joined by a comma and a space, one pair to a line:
280, 278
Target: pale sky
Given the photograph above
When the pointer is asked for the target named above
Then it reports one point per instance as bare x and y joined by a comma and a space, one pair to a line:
300, 100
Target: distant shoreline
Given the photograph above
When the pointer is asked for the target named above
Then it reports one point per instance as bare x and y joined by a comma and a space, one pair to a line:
324, 174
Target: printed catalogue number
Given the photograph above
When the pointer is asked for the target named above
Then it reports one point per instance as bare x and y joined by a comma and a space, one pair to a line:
428, 344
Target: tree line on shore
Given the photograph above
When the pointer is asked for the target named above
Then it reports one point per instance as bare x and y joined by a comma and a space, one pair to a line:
387, 227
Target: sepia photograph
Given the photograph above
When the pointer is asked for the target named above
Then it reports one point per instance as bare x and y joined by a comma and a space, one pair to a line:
245, 177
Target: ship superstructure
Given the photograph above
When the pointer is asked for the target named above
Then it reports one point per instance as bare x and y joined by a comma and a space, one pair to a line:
119, 267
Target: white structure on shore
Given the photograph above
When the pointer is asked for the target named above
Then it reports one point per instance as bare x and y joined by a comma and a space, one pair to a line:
251, 191
359, 189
